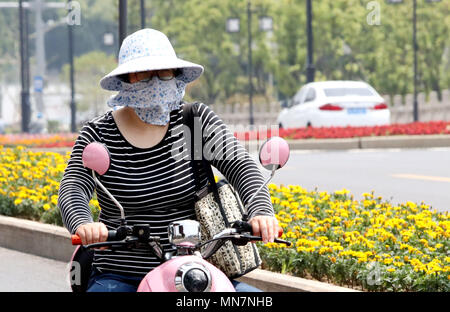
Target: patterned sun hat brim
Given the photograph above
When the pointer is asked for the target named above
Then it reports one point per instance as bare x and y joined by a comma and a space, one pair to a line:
190, 71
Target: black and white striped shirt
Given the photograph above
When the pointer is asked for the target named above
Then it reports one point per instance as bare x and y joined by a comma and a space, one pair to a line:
154, 185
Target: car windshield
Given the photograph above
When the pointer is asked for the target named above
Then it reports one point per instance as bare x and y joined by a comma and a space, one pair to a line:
348, 91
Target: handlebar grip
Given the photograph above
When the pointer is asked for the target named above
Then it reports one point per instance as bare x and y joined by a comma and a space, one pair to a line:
282, 241
112, 234
76, 240
245, 226
276, 240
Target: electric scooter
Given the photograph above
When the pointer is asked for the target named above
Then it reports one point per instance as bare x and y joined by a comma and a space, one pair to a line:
186, 269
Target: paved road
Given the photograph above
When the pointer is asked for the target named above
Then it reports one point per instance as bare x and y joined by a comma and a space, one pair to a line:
21, 272
398, 175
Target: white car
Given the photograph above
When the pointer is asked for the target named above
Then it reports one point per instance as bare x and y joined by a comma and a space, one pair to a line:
335, 104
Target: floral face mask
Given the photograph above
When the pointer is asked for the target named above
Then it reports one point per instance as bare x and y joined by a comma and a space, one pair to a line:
152, 100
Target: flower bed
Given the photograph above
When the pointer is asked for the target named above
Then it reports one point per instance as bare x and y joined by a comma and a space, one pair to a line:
369, 243
38, 140
415, 128
29, 183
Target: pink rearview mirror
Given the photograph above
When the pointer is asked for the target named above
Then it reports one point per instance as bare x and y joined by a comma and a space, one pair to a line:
96, 157
274, 153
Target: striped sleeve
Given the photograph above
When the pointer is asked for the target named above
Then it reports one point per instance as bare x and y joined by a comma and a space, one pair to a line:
225, 153
77, 185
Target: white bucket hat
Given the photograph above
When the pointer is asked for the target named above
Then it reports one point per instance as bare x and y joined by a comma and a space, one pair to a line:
148, 49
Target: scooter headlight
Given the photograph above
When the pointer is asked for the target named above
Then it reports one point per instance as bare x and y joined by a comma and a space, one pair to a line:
193, 277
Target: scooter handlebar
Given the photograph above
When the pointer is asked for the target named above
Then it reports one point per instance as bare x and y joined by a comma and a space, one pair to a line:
76, 240
276, 240
243, 226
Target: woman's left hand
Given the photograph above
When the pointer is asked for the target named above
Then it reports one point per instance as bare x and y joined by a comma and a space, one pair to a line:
265, 226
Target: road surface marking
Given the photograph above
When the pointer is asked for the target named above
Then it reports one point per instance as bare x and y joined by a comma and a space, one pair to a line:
421, 177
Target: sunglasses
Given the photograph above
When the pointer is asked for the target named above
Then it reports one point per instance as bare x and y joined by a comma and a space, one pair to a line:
163, 75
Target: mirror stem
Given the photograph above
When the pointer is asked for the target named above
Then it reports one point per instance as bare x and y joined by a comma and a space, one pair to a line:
260, 188
122, 213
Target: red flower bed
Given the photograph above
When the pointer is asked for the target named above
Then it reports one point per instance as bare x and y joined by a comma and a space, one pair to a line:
39, 140
415, 128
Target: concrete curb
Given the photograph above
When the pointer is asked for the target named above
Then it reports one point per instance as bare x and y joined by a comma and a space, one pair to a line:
325, 144
410, 141
53, 242
277, 282
395, 141
36, 238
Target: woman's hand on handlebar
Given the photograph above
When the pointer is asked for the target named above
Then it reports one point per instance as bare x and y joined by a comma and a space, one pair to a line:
265, 226
95, 232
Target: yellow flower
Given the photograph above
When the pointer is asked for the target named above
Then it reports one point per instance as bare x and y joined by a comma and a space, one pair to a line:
367, 195
46, 207
54, 199
17, 201
275, 200
398, 264
390, 270
342, 192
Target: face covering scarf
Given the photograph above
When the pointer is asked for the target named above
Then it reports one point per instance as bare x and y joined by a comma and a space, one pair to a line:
152, 100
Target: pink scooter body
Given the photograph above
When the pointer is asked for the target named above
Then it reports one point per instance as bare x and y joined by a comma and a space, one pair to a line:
161, 279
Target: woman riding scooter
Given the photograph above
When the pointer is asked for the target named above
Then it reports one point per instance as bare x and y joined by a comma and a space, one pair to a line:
141, 133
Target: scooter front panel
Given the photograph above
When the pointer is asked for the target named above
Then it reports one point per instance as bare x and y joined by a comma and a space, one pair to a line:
162, 278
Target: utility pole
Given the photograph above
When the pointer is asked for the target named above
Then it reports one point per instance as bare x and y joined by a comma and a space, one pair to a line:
73, 107
24, 69
233, 26
40, 59
142, 14
415, 103
250, 65
310, 65
122, 21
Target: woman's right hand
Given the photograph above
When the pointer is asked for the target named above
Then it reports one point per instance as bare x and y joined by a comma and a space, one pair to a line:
95, 232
